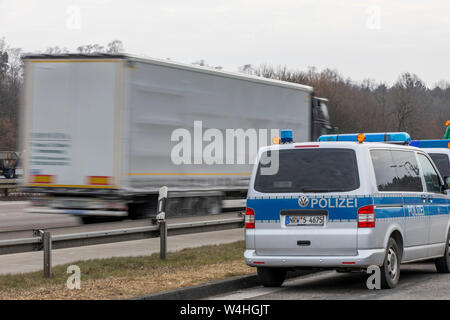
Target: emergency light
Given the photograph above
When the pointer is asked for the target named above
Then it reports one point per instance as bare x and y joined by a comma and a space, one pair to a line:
276, 140
388, 137
286, 136
447, 132
430, 143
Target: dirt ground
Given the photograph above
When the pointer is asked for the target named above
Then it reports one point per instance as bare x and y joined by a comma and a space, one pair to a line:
138, 280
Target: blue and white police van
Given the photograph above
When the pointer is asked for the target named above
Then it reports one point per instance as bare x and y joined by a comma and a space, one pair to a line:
439, 151
346, 202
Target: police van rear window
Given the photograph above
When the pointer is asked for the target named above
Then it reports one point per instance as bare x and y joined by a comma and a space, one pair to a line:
312, 170
442, 162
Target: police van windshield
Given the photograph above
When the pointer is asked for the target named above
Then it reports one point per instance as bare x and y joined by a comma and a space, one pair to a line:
312, 170
442, 162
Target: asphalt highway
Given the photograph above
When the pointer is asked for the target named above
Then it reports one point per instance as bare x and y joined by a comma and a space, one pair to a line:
418, 281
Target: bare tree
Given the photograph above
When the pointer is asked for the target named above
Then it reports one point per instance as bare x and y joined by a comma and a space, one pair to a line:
405, 101
247, 69
56, 50
10, 81
115, 47
91, 49
202, 63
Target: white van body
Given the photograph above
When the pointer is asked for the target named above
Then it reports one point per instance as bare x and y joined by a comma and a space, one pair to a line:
288, 234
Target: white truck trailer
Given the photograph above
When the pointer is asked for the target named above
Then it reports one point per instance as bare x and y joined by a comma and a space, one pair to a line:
102, 133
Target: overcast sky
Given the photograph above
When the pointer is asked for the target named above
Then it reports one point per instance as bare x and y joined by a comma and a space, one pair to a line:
362, 39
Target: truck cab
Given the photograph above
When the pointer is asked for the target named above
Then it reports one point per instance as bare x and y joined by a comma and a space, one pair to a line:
321, 118
346, 203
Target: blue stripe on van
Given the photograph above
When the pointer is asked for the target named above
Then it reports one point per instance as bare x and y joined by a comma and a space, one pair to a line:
339, 208
346, 208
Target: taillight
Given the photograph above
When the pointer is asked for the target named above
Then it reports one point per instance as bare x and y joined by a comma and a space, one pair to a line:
366, 217
249, 218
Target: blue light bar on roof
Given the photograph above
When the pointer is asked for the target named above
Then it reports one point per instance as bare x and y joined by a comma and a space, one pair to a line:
389, 137
431, 143
286, 136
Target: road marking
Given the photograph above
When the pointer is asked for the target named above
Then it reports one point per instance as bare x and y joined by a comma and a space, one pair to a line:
260, 291
11, 203
247, 294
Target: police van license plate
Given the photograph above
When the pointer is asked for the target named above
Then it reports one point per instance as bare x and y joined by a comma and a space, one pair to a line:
305, 220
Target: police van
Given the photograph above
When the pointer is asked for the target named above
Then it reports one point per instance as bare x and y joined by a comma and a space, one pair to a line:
439, 151
346, 202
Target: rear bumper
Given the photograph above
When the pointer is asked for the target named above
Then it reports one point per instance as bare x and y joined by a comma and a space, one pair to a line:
363, 259
78, 212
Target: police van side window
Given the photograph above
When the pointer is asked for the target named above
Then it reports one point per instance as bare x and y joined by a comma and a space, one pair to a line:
431, 176
396, 171
407, 171
442, 163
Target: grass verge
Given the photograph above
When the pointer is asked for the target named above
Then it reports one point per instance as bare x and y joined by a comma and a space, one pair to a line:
119, 278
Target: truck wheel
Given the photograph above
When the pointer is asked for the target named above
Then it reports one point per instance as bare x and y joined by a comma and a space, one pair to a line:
94, 219
214, 205
174, 207
194, 206
89, 220
443, 263
200, 207
390, 270
7, 174
142, 210
271, 277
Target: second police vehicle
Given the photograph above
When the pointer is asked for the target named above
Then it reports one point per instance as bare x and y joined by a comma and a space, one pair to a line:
346, 202
439, 151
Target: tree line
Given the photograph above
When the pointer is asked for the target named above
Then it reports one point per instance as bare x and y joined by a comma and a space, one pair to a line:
369, 106
11, 79
366, 106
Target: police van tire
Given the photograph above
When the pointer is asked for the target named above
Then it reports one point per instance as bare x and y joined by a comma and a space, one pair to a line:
390, 270
443, 263
271, 277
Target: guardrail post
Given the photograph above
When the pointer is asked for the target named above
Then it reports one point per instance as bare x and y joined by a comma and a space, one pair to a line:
47, 242
163, 240
5, 192
161, 218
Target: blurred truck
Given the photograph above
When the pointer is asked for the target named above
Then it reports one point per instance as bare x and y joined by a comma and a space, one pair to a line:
102, 133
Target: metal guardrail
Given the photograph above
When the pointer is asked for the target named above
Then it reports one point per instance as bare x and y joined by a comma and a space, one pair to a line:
43, 240
6, 184
116, 235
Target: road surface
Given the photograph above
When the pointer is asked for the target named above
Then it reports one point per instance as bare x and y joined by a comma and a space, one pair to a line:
417, 281
15, 223
13, 217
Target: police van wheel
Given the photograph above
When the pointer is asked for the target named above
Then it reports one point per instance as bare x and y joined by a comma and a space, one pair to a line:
271, 277
443, 263
390, 270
